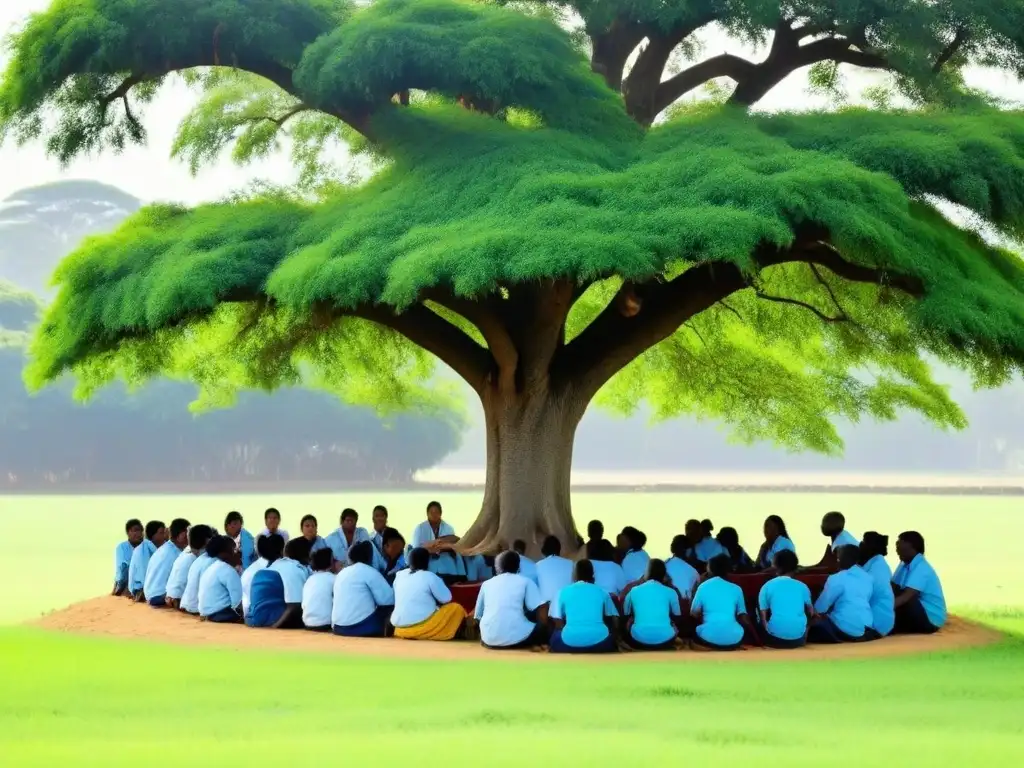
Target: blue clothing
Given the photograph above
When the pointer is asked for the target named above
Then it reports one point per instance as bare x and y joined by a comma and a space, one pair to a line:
293, 576
558, 645
446, 563
705, 550
583, 607
501, 610
652, 606
882, 611
318, 544
786, 601
357, 592
373, 625
179, 574
417, 597
247, 548
220, 588
920, 576
780, 543
719, 602
190, 597
159, 570
138, 565
847, 601
844, 539
554, 573
527, 569
266, 599
122, 559
609, 576
634, 564
338, 543
477, 568
683, 575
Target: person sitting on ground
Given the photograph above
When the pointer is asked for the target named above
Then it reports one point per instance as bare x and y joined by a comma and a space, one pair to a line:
634, 558
584, 616
833, 526
156, 535
730, 541
920, 604
220, 586
554, 572
266, 590
309, 527
478, 567
255, 567
785, 604
682, 576
318, 592
123, 555
345, 536
423, 603
294, 570
509, 609
527, 567
607, 573
652, 608
873, 550
719, 610
162, 563
844, 606
198, 536
362, 598
703, 545
272, 521
245, 544
380, 524
776, 539
189, 602
595, 531
391, 558
438, 538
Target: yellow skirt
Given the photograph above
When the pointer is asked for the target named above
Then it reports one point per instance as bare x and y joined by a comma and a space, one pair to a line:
442, 625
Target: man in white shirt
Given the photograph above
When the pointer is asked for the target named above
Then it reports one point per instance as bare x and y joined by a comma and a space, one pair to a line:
293, 572
318, 592
346, 536
220, 587
554, 572
527, 568
363, 599
509, 608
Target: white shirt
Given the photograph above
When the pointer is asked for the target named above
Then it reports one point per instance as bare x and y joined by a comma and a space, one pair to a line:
554, 573
190, 597
417, 595
528, 569
219, 587
251, 571
358, 591
684, 576
501, 607
293, 576
280, 532
179, 574
339, 545
318, 599
609, 576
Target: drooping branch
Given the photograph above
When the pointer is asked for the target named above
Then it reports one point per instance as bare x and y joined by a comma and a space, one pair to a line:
725, 65
959, 40
612, 48
482, 314
797, 303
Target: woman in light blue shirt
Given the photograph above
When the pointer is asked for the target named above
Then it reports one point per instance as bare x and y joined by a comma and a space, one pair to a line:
873, 549
607, 573
652, 609
309, 527
684, 577
785, 605
220, 586
635, 559
776, 539
719, 609
703, 546
584, 616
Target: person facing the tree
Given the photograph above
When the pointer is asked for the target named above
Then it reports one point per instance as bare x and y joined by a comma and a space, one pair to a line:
703, 545
634, 558
423, 603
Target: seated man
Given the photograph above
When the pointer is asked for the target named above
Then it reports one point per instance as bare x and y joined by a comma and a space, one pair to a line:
245, 544
154, 587
652, 607
554, 572
509, 608
198, 536
527, 568
391, 557
189, 602
272, 521
719, 609
634, 556
123, 555
785, 604
363, 599
293, 572
318, 591
347, 535
220, 586
920, 605
584, 617
844, 606
607, 573
255, 567
266, 591
423, 603
833, 525
703, 545
156, 535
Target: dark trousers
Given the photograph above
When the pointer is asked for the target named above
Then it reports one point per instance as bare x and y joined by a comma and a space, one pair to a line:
224, 616
558, 645
912, 619
825, 631
539, 636
324, 628
713, 647
771, 641
374, 625
637, 645
158, 602
120, 587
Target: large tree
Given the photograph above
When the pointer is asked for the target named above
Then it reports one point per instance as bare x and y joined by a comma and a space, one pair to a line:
531, 223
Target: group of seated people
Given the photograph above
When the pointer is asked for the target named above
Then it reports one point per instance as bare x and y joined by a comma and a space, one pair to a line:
360, 584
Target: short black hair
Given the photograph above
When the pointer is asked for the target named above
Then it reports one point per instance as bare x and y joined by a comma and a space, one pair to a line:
361, 553
199, 536
419, 559
233, 517
153, 528
435, 504
848, 556
656, 570
637, 539
873, 543
381, 508
390, 534
785, 561
583, 570
601, 549
298, 549
728, 537
307, 518
519, 545
133, 523
216, 546
779, 523
273, 547
179, 525
261, 543
707, 526
271, 511
595, 530
507, 562
322, 560
551, 546
720, 565
349, 512
914, 539
679, 546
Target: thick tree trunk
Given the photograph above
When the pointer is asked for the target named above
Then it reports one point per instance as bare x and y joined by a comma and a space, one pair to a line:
529, 458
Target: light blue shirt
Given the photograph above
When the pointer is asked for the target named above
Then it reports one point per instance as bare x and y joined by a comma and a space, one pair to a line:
190, 597
318, 599
339, 544
583, 606
652, 606
220, 587
247, 577
634, 565
139, 563
684, 576
477, 568
528, 569
293, 576
609, 576
707, 548
780, 543
247, 548
317, 544
882, 611
554, 573
720, 602
501, 609
787, 601
417, 595
122, 559
844, 539
359, 590
159, 570
446, 563
920, 575
179, 574
847, 600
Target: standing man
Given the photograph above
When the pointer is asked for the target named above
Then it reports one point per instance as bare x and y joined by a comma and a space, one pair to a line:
154, 587
920, 604
346, 536
156, 535
123, 555
245, 544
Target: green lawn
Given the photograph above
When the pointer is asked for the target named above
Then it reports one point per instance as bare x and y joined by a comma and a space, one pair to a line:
84, 701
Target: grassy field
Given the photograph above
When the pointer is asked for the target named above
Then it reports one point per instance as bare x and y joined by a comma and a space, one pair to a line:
84, 701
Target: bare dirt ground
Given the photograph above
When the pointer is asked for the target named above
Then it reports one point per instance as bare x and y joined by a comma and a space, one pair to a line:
116, 617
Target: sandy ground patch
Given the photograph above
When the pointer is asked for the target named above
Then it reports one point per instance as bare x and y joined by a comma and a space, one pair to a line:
116, 617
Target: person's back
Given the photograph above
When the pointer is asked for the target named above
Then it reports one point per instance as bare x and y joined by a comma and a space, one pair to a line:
554, 573
528, 569
154, 586
138, 565
363, 599
785, 601
652, 606
293, 576
318, 600
583, 607
846, 599
179, 575
683, 575
501, 607
190, 597
609, 576
266, 599
883, 613
634, 564
718, 602
417, 595
247, 576
220, 591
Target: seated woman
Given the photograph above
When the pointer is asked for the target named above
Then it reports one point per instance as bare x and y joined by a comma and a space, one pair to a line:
703, 546
719, 610
634, 558
844, 606
650, 608
310, 528
730, 541
423, 603
220, 586
785, 605
776, 539
920, 605
363, 599
509, 611
584, 616
683, 576
607, 573
873, 549
318, 592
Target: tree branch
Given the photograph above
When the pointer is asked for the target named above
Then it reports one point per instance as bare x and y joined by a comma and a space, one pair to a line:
797, 303
959, 39
491, 327
725, 65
